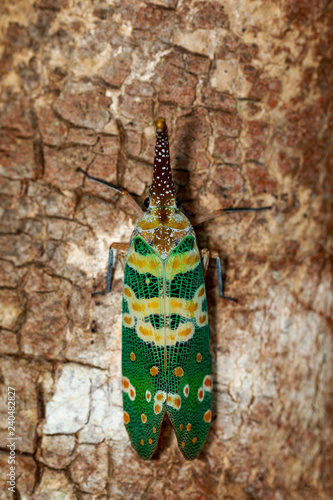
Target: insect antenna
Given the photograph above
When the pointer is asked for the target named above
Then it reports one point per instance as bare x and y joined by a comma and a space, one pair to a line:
101, 181
122, 191
245, 209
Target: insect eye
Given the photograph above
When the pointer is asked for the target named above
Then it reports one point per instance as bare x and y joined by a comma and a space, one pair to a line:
146, 203
178, 203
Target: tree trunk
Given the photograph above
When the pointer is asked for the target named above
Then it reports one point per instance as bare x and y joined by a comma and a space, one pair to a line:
246, 90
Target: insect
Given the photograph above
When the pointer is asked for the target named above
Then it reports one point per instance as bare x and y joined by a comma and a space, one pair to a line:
166, 359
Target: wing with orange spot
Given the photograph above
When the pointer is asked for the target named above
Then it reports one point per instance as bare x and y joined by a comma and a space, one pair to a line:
144, 384
189, 382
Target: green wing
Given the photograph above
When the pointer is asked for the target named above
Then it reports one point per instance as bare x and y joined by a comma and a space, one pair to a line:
144, 384
166, 360
189, 383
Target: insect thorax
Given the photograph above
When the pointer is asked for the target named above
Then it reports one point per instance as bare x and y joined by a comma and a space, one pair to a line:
163, 228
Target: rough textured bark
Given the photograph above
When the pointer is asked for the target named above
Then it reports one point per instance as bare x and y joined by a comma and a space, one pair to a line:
246, 88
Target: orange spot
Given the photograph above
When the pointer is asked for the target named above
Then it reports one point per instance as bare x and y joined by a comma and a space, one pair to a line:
154, 430
202, 319
142, 442
179, 372
150, 441
143, 418
208, 382
188, 427
128, 320
199, 357
133, 357
154, 371
201, 292
177, 401
186, 390
136, 306
207, 416
126, 417
194, 440
125, 383
157, 408
152, 305
169, 398
192, 307
160, 397
148, 396
183, 444
132, 393
144, 331
184, 333
127, 292
200, 394
181, 427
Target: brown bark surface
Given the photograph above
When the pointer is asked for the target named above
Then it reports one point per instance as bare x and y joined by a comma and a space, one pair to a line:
246, 89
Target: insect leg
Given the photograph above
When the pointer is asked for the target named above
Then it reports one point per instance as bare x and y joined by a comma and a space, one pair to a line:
122, 257
202, 218
206, 255
122, 191
117, 246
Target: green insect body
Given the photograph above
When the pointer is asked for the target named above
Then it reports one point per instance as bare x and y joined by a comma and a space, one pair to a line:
166, 361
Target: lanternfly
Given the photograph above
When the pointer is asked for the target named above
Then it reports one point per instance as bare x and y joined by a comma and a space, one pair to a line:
166, 360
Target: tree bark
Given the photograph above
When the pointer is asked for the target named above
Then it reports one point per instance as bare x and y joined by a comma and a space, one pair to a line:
246, 89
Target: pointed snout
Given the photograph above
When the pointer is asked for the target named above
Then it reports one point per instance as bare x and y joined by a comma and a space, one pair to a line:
160, 124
